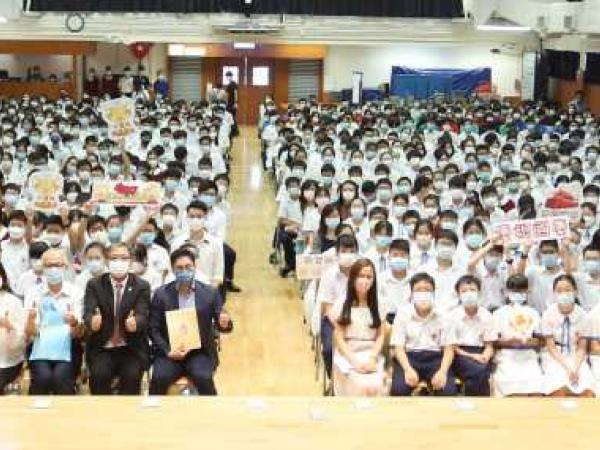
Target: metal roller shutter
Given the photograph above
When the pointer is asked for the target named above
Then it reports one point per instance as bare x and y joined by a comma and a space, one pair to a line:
303, 79
186, 83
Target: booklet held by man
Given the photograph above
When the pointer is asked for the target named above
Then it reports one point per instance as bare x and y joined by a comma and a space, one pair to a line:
182, 325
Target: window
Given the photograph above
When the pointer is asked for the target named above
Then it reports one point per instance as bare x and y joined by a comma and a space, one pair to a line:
235, 71
260, 75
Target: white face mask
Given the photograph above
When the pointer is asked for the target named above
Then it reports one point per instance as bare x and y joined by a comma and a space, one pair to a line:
118, 268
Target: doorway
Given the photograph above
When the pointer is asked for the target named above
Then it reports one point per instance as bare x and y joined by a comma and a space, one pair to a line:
256, 78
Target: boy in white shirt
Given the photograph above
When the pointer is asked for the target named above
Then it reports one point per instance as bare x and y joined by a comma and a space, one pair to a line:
394, 288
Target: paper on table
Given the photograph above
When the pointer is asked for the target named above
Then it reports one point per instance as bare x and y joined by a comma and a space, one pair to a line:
182, 325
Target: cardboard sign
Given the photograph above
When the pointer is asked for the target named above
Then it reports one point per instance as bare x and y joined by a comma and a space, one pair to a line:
534, 230
119, 114
45, 188
182, 325
312, 266
563, 201
127, 193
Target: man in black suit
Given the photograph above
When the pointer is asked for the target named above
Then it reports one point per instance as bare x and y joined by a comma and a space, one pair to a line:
185, 292
116, 319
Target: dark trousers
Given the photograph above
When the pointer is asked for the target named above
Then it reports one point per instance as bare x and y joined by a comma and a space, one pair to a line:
426, 364
327, 344
286, 240
109, 364
51, 377
229, 256
474, 375
8, 375
197, 366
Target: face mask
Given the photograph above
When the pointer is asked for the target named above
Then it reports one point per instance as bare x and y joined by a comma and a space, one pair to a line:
446, 252
298, 173
209, 200
429, 212
37, 265
184, 276
11, 199
348, 195
346, 259
398, 210
171, 185
588, 221
491, 263
362, 285
195, 223
114, 169
471, 186
16, 232
517, 298
398, 263
332, 222
114, 234
309, 196
469, 298
474, 240
403, 189
422, 298
384, 195
54, 275
548, 261
72, 197
54, 239
565, 299
592, 266
147, 238
322, 202
490, 202
118, 268
95, 266
169, 220
383, 241
99, 236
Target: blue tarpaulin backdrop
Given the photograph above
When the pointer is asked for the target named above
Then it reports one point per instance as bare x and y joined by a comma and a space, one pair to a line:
423, 83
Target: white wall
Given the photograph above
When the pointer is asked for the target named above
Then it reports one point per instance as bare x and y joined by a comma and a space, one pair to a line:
376, 62
119, 55
17, 64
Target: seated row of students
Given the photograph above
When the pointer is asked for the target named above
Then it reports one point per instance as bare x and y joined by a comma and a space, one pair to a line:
511, 351
114, 318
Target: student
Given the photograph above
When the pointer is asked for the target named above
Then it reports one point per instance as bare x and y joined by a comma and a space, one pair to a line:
33, 277
394, 288
564, 359
140, 267
93, 263
587, 276
358, 336
332, 290
422, 343
379, 253
359, 224
15, 250
422, 251
12, 337
290, 220
518, 372
475, 336
330, 219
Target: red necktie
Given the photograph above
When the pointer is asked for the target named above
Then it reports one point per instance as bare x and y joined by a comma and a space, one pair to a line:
116, 337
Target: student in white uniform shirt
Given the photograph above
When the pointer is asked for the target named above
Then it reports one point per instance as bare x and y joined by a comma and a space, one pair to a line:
564, 358
360, 224
541, 277
15, 250
423, 251
140, 267
587, 276
475, 336
12, 334
93, 264
289, 223
152, 238
379, 253
332, 290
445, 272
518, 372
394, 287
488, 266
33, 277
422, 342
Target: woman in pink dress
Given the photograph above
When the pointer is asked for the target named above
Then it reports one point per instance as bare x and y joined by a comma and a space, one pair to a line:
358, 365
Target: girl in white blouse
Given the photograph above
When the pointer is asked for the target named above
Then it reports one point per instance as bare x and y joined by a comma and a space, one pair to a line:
12, 334
566, 371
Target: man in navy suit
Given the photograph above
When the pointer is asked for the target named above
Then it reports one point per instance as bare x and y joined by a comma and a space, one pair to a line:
185, 292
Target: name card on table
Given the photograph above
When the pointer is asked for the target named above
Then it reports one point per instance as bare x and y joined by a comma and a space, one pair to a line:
533, 230
182, 325
312, 266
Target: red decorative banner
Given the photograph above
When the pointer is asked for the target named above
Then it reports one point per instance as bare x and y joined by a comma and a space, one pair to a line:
140, 49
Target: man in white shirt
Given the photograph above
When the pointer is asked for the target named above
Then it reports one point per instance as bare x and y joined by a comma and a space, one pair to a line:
15, 251
394, 287
289, 223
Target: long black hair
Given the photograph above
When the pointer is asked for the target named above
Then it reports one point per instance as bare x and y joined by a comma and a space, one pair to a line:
352, 298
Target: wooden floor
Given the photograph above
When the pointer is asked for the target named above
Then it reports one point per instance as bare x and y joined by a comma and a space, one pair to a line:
298, 423
269, 352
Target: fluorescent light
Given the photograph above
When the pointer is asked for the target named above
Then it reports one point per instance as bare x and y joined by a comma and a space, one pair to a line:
194, 51
244, 45
515, 28
3, 19
176, 49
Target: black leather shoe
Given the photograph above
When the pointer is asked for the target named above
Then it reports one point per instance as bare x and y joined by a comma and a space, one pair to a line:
233, 288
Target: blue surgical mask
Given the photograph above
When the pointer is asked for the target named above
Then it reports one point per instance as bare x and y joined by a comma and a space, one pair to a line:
517, 298
403, 189
474, 240
565, 299
55, 275
114, 169
184, 276
383, 241
208, 200
549, 261
470, 298
491, 263
171, 185
592, 266
147, 238
332, 222
398, 263
114, 234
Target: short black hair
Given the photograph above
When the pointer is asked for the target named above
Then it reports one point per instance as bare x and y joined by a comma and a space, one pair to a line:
182, 253
467, 279
517, 282
421, 276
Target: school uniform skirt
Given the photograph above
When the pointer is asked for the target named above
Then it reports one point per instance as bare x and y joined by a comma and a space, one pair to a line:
517, 372
556, 377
